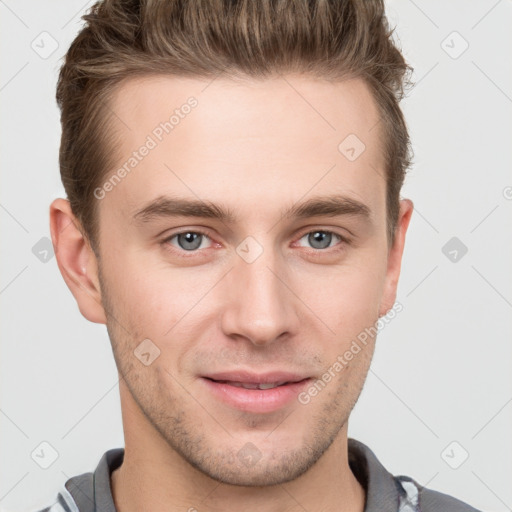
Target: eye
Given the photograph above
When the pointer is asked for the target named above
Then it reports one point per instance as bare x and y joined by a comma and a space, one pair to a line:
191, 241
321, 239
188, 240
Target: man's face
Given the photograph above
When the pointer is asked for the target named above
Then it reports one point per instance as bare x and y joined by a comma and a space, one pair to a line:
261, 292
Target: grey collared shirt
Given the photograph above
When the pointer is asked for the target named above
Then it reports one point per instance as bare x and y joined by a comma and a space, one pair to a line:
91, 492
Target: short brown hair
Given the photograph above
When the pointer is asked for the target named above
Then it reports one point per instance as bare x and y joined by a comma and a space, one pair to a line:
122, 39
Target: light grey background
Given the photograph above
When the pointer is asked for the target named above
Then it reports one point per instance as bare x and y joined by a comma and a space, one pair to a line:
442, 368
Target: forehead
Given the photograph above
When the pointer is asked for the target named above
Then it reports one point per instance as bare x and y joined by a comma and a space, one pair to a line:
299, 104
253, 142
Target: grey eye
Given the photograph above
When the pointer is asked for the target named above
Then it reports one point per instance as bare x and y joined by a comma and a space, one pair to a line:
319, 239
189, 241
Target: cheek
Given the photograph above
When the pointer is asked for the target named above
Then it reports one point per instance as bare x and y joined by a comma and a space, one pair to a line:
153, 307
155, 300
346, 298
140, 300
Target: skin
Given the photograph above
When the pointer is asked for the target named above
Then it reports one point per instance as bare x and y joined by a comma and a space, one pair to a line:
257, 148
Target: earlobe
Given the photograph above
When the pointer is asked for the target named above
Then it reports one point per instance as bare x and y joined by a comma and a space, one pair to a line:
76, 260
395, 257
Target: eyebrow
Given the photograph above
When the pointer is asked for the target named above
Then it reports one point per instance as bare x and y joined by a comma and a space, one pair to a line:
331, 206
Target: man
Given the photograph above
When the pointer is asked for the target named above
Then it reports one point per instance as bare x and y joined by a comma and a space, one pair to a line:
233, 172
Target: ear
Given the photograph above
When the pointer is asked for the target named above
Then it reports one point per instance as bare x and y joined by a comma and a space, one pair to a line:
395, 257
76, 260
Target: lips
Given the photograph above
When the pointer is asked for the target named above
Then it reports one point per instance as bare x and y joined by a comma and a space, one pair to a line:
253, 392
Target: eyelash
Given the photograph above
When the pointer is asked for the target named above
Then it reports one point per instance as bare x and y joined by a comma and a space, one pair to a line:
343, 241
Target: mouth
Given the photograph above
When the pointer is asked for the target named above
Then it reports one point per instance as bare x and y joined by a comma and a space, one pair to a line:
255, 394
253, 385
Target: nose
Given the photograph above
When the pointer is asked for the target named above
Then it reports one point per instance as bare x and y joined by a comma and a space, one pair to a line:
259, 302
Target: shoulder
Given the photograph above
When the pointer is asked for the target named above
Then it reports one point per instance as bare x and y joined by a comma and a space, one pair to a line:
89, 492
56, 507
388, 493
413, 497
76, 495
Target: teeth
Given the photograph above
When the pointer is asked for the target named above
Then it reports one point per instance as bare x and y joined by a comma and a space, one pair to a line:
270, 385
244, 385
250, 385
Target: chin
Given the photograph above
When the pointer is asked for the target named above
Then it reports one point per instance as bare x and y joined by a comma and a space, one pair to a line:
250, 468
262, 476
